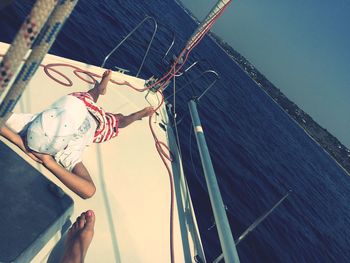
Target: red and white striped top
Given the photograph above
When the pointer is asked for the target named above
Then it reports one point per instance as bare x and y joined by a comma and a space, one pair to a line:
107, 122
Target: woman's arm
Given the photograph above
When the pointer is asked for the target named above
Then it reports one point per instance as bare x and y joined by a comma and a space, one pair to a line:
12, 136
17, 140
79, 180
127, 120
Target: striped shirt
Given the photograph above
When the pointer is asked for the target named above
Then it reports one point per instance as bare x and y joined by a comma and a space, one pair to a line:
107, 127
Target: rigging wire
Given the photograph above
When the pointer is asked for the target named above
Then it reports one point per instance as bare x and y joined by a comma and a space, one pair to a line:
174, 120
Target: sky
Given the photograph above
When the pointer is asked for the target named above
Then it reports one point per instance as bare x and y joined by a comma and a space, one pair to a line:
301, 46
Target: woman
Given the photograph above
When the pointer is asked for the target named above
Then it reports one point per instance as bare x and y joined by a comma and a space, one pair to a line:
57, 136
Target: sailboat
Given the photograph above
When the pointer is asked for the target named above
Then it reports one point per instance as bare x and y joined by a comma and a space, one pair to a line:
140, 216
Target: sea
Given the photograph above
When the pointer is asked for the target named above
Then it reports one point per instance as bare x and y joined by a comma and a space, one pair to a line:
258, 152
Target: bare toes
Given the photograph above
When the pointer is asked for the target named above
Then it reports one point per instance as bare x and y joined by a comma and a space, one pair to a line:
90, 219
81, 221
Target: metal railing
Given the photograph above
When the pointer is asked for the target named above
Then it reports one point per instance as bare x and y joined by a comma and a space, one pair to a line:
198, 77
131, 33
155, 24
170, 46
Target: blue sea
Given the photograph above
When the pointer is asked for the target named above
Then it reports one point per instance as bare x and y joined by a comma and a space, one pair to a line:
258, 152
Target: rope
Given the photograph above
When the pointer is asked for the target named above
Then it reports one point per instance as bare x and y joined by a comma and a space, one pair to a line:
40, 48
23, 41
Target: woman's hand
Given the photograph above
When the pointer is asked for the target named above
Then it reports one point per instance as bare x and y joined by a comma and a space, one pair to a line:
23, 145
146, 112
42, 157
31, 155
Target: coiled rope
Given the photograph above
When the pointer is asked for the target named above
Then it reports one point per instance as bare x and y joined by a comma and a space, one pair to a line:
24, 40
41, 46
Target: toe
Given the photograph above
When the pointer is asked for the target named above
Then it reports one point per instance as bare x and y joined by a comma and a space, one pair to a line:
81, 221
90, 219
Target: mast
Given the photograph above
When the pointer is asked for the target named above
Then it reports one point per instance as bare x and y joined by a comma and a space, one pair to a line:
205, 25
225, 234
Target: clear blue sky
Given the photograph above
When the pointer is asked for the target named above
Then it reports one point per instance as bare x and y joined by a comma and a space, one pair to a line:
302, 46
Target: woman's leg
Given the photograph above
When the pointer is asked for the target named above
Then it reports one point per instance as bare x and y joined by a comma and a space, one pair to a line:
101, 88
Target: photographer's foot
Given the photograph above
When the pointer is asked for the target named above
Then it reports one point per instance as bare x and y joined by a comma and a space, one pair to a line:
78, 238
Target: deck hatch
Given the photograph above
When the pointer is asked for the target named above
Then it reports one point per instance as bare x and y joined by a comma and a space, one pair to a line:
31, 208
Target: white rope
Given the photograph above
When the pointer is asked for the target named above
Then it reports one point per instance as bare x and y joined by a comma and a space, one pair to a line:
41, 47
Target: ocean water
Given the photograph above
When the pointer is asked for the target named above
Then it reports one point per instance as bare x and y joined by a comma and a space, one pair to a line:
258, 152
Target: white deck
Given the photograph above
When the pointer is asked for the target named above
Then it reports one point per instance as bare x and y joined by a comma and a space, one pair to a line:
132, 200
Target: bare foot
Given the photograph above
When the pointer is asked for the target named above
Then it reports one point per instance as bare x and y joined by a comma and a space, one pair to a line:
106, 77
78, 238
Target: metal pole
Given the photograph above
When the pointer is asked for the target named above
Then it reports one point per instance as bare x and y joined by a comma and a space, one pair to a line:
223, 227
203, 25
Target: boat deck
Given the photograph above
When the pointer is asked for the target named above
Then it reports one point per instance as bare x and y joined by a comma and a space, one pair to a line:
132, 201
